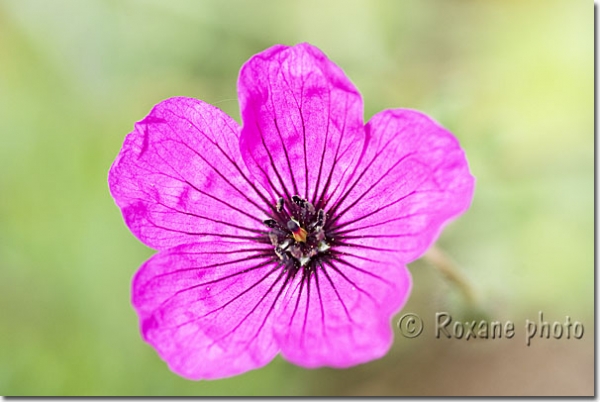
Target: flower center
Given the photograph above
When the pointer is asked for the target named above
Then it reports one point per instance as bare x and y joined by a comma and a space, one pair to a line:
297, 231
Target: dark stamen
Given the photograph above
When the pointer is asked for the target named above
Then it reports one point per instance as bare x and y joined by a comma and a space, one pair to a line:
299, 201
320, 218
272, 223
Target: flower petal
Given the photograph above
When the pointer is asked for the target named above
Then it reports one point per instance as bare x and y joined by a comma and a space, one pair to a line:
412, 179
207, 308
303, 121
340, 316
179, 176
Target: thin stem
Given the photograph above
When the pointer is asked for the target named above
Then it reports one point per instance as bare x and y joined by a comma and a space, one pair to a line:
440, 260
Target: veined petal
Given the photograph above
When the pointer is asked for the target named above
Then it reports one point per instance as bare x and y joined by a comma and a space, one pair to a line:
179, 177
207, 308
302, 121
340, 315
413, 178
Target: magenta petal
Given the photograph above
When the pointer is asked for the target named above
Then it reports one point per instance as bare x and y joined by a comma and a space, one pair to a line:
207, 308
412, 179
341, 315
303, 121
179, 177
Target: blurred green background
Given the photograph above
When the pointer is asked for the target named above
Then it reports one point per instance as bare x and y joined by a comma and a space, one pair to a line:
512, 79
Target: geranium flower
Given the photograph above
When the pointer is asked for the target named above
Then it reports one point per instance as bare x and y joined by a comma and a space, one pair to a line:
290, 234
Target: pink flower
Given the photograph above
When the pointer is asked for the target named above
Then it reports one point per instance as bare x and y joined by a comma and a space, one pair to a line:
290, 234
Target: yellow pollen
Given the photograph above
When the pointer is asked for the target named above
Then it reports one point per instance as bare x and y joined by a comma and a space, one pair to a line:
300, 235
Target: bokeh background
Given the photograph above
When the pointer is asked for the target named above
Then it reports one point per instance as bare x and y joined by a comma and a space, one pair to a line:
512, 79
